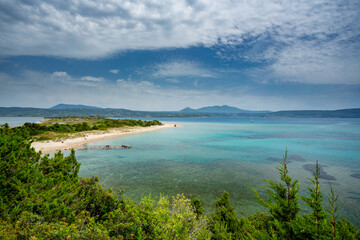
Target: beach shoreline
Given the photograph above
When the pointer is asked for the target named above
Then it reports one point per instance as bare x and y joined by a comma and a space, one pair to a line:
75, 142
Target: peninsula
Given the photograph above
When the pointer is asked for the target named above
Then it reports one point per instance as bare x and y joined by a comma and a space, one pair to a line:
91, 136
66, 133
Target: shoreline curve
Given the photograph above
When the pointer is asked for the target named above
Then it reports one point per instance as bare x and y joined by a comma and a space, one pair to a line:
73, 143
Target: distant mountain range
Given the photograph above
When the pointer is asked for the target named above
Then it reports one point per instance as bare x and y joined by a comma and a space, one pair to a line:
61, 110
219, 109
73, 106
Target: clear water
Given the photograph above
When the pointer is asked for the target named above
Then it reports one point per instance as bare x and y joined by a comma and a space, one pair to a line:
19, 121
206, 157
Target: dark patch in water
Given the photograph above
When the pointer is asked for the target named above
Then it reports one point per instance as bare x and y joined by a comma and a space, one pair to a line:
355, 175
291, 158
274, 159
355, 193
296, 158
323, 175
254, 150
354, 198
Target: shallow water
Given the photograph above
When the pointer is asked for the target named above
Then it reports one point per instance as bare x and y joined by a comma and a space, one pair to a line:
206, 157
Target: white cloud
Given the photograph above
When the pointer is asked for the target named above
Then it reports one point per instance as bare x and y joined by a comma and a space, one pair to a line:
37, 89
136, 86
56, 78
282, 33
92, 79
182, 68
92, 29
315, 64
313, 43
60, 76
114, 71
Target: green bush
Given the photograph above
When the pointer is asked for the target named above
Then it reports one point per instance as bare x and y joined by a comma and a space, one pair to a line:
42, 197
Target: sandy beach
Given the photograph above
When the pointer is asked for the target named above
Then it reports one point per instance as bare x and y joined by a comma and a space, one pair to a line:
66, 144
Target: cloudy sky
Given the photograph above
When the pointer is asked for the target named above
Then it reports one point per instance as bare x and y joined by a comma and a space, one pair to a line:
168, 55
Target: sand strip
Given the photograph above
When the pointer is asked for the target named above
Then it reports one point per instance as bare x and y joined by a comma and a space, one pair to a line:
51, 146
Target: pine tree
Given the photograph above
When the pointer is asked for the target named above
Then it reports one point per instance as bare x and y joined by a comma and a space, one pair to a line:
283, 201
197, 206
317, 217
224, 223
333, 210
18, 173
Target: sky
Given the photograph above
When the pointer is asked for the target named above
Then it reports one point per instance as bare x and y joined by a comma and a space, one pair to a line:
167, 55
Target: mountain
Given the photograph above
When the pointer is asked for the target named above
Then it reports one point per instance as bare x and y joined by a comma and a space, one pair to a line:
187, 112
73, 106
219, 109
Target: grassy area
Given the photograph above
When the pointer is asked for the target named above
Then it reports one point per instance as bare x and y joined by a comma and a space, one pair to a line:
54, 136
91, 120
70, 127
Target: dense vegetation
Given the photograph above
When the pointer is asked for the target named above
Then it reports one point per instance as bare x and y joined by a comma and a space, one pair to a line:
42, 197
54, 128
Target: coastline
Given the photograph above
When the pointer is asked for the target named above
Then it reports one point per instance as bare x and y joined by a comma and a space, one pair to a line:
70, 143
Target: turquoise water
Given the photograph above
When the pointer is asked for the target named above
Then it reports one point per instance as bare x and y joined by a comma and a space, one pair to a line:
206, 157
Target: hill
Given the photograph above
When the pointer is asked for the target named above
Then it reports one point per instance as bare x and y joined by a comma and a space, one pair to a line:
219, 109
73, 106
215, 111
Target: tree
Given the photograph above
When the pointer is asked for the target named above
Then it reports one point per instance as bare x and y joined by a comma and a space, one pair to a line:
18, 173
198, 207
333, 210
316, 218
224, 222
283, 201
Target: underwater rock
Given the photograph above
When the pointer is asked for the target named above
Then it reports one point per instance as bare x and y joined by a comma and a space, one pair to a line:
296, 158
323, 175
106, 147
355, 175
125, 146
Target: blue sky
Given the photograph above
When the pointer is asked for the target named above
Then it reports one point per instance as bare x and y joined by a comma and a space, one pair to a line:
168, 55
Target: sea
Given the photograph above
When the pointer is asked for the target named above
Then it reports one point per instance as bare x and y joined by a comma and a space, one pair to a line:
19, 121
203, 157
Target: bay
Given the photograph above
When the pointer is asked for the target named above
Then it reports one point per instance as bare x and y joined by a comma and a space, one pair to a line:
207, 156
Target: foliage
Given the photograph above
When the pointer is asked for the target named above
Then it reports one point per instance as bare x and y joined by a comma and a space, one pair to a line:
333, 210
18, 173
63, 126
284, 221
224, 222
316, 219
157, 220
283, 201
42, 197
33, 226
198, 207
